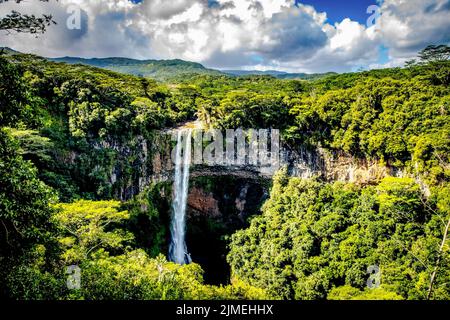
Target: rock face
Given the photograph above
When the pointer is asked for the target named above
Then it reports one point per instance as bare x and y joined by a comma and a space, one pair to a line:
203, 203
301, 162
339, 167
217, 207
126, 168
226, 198
143, 161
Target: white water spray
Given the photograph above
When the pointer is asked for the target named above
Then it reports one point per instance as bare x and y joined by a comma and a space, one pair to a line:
178, 250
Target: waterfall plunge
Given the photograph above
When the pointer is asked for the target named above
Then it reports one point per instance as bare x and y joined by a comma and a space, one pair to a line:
178, 250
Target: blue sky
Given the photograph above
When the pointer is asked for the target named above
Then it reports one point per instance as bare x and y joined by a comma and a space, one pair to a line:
355, 10
339, 10
286, 35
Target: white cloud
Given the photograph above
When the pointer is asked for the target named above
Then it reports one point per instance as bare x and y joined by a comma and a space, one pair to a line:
392, 63
408, 26
266, 34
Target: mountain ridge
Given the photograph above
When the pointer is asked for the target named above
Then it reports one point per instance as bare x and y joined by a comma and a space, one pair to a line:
157, 69
167, 69
279, 74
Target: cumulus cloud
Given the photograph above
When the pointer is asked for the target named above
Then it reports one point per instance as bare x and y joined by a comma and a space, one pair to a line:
408, 26
265, 34
350, 45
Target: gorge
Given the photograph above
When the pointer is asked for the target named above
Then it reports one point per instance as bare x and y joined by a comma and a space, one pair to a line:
210, 202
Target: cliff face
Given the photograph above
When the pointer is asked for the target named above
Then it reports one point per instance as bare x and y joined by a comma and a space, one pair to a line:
136, 164
302, 162
217, 207
126, 168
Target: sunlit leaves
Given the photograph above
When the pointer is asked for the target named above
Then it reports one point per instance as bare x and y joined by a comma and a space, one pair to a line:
89, 226
313, 238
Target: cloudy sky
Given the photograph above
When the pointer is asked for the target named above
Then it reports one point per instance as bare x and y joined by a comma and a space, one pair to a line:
288, 35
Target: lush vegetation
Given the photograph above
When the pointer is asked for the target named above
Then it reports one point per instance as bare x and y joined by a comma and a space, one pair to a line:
316, 241
76, 141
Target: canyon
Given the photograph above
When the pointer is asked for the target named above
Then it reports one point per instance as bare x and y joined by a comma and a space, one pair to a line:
221, 199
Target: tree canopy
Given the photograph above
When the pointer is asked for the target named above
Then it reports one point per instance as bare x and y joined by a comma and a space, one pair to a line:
25, 23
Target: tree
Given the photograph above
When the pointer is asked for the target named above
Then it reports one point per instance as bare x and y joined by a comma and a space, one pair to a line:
24, 23
434, 53
444, 208
313, 237
436, 57
410, 63
24, 202
12, 94
350, 293
88, 226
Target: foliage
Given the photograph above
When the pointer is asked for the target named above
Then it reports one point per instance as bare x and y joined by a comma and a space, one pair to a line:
77, 108
149, 218
25, 23
33, 146
90, 134
12, 100
89, 226
135, 276
313, 237
24, 201
435, 53
350, 293
36, 276
26, 227
92, 237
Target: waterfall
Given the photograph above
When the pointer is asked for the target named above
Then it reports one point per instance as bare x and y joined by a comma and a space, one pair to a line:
178, 250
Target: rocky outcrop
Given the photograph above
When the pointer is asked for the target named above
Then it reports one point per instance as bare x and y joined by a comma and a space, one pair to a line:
217, 207
339, 167
138, 163
203, 203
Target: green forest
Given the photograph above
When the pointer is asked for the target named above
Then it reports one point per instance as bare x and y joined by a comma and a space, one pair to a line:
66, 128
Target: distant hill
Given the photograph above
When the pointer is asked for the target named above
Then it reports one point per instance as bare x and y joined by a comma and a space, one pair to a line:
8, 51
156, 69
170, 69
278, 74
164, 70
